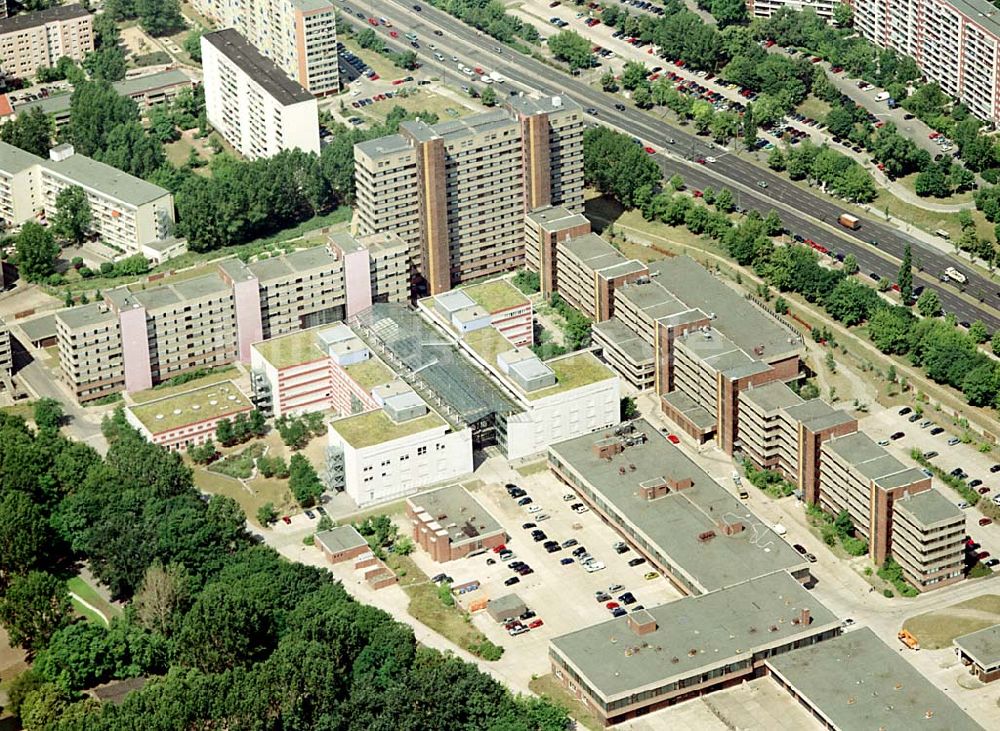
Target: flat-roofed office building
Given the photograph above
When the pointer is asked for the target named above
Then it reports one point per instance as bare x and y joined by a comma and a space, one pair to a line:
427, 184
252, 103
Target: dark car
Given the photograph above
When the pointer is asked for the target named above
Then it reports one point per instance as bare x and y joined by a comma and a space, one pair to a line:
937, 430
566, 561
627, 598
511, 581
569, 543
417, 8
526, 526
975, 483
591, 111
579, 551
618, 612
525, 501
638, 560
620, 107
995, 468
800, 548
905, 410
897, 435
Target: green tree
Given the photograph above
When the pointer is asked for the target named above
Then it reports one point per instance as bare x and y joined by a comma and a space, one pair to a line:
978, 332
608, 82
850, 264
33, 608
224, 433
929, 304
634, 74
676, 182
36, 251
489, 97
267, 514
572, 48
71, 220
192, 44
106, 64
629, 410
406, 60
48, 414
31, 131
776, 159
729, 12
159, 17
843, 15
995, 343
643, 97
749, 128
905, 277
95, 110
724, 201
303, 481
25, 536
614, 164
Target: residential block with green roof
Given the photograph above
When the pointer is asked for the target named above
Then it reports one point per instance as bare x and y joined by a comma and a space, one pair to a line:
190, 417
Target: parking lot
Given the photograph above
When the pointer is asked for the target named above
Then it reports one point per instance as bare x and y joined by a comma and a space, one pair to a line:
563, 596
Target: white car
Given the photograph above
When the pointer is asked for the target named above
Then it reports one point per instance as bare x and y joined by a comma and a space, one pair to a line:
534, 509
709, 159
569, 496
594, 566
581, 509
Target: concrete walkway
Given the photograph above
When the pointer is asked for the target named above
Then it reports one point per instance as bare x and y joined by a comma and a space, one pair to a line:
90, 606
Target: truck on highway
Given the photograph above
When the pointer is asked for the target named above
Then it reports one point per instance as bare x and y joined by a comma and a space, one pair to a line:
848, 221
954, 275
497, 77
882, 96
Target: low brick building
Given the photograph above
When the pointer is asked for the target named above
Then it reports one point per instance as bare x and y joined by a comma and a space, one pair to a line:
980, 651
342, 543
449, 523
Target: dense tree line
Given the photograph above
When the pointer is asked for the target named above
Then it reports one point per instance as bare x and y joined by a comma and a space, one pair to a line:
228, 634
491, 17
833, 170
614, 164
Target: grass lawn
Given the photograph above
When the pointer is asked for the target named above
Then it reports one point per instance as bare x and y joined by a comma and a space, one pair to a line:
25, 410
450, 622
407, 571
419, 100
393, 510
217, 484
548, 687
935, 630
813, 107
223, 373
86, 592
532, 469
178, 151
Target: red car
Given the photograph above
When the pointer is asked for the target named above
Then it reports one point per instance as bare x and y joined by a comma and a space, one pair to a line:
394, 34
498, 549
698, 193
611, 605
768, 43
374, 77
984, 491
934, 135
985, 521
397, 82
536, 624
837, 69
673, 438
372, 21
650, 150
286, 519
983, 555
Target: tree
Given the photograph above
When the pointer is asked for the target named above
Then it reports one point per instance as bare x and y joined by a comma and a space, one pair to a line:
978, 332
932, 182
749, 128
106, 64
36, 251
267, 514
724, 201
31, 131
489, 97
224, 433
889, 329
25, 536
616, 165
48, 414
840, 121
258, 423
642, 96
303, 481
159, 17
929, 304
95, 110
995, 343
776, 159
980, 385
905, 277
633, 74
405, 60
572, 48
608, 82
192, 44
629, 410
850, 264
676, 182
843, 15
33, 608
71, 220
729, 12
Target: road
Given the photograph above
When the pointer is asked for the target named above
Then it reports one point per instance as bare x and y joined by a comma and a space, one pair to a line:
803, 213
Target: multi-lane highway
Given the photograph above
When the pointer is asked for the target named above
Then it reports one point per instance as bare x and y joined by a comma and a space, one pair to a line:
805, 214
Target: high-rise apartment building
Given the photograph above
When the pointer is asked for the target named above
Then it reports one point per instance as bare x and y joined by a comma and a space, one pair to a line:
251, 102
30, 41
125, 211
954, 42
136, 338
457, 192
299, 36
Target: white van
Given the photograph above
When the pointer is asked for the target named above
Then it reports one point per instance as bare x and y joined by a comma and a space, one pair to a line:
438, 56
882, 96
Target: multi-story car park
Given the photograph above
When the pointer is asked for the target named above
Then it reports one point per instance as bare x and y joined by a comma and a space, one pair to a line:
30, 41
252, 103
299, 36
954, 42
427, 184
137, 338
126, 211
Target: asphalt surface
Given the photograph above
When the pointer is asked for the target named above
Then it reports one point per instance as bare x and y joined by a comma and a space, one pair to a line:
802, 213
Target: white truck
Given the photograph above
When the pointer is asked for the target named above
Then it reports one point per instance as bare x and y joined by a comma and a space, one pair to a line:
954, 275
497, 77
882, 96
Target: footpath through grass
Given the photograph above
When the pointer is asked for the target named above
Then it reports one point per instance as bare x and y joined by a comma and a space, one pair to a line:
86, 592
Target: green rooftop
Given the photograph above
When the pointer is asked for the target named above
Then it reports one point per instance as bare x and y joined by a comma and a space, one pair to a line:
290, 350
375, 427
370, 373
488, 344
208, 402
496, 295
573, 371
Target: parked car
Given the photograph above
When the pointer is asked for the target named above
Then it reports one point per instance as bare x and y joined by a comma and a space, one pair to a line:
985, 521
637, 561
905, 410
953, 441
995, 468
511, 581
937, 430
566, 561
525, 501
650, 575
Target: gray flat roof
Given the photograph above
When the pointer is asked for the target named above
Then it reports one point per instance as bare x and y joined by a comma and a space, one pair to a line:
303, 260
621, 335
693, 635
90, 315
771, 396
454, 509
14, 159
127, 87
736, 317
929, 506
526, 104
692, 410
388, 145
39, 328
982, 646
505, 603
817, 414
108, 180
872, 461
341, 538
856, 681
651, 298
557, 217
259, 68
594, 251
23, 21
672, 524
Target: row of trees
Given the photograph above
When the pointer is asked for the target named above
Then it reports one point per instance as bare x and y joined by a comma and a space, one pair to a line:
491, 17
228, 632
833, 170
